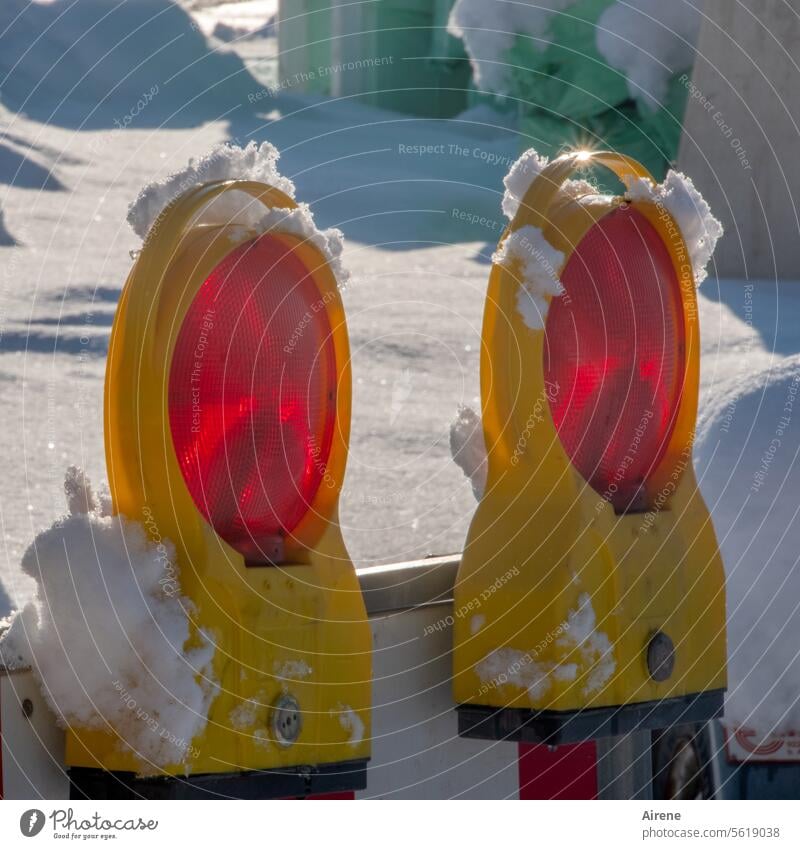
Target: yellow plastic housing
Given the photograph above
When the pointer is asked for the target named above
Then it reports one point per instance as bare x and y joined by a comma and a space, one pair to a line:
542, 540
299, 628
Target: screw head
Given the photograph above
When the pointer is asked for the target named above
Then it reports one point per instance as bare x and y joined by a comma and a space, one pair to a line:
286, 720
660, 656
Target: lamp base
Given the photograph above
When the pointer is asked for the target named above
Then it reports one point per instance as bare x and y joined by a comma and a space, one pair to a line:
90, 783
483, 722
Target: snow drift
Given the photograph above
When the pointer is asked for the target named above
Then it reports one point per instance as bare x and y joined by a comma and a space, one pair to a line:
107, 56
230, 162
109, 635
747, 459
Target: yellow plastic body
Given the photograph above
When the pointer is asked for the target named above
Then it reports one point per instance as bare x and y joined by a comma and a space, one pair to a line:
542, 540
298, 628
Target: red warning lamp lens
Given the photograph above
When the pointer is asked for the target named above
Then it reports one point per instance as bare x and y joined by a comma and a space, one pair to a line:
252, 391
614, 356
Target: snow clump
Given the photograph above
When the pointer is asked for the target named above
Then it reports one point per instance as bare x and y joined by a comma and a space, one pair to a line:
649, 41
690, 211
109, 634
468, 448
488, 29
536, 264
254, 162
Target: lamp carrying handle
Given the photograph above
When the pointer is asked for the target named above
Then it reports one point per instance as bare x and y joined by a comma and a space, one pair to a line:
540, 194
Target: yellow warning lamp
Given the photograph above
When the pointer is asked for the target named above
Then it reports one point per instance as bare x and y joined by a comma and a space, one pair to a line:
590, 600
227, 417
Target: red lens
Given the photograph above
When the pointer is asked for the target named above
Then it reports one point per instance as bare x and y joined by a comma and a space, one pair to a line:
614, 356
252, 391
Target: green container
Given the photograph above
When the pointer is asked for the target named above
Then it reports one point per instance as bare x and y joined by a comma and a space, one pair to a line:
570, 97
445, 47
395, 54
304, 45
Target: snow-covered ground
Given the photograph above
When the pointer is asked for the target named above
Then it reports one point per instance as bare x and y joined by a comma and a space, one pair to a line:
420, 204
414, 303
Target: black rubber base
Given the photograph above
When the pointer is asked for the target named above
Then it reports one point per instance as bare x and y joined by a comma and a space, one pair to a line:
482, 722
86, 783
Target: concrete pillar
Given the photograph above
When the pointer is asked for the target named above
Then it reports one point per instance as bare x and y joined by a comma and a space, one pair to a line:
741, 137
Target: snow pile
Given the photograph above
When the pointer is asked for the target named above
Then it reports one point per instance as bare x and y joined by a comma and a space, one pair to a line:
109, 634
596, 651
468, 448
228, 33
747, 458
230, 162
678, 195
526, 252
488, 29
536, 265
649, 41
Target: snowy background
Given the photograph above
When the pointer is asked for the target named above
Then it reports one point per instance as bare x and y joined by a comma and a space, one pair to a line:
93, 105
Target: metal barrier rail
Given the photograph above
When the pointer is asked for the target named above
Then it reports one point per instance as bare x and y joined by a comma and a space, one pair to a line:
414, 583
